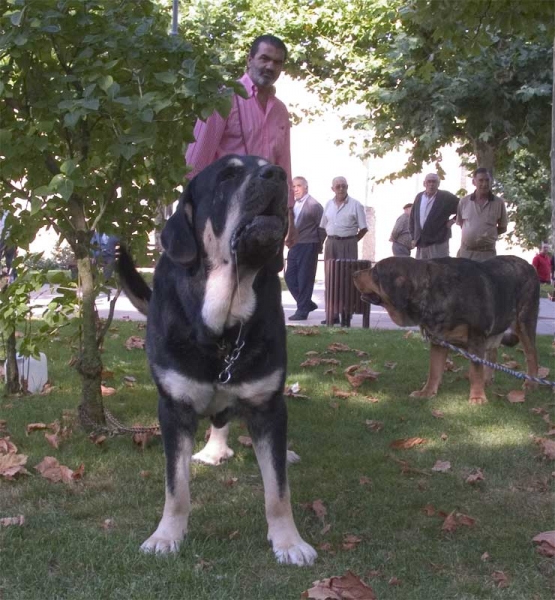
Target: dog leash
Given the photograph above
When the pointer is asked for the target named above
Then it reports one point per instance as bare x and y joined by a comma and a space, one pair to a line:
476, 359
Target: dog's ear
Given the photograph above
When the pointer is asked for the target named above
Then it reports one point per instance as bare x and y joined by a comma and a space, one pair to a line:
178, 236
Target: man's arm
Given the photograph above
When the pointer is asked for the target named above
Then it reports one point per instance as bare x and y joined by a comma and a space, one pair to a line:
503, 221
361, 233
208, 135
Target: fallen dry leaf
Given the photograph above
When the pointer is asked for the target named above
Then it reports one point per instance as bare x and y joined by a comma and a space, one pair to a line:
3, 425
548, 447
357, 375
231, 481
438, 414
141, 439
107, 391
406, 443
394, 581
305, 331
330, 361
144, 474
13, 464
135, 342
485, 556
350, 541
454, 519
108, 524
361, 353
372, 425
543, 372
338, 347
245, 440
97, 439
9, 521
363, 480
7, 446
408, 335
441, 466
429, 510
347, 587
52, 439
52, 470
546, 543
500, 579
35, 427
515, 396
511, 364
106, 374
311, 362
337, 393
475, 476
390, 365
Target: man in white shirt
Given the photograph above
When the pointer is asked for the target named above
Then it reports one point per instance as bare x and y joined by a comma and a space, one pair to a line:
344, 220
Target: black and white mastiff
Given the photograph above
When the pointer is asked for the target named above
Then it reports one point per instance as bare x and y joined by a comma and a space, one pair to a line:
216, 335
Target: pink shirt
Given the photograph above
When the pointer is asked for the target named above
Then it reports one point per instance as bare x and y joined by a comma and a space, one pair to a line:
247, 130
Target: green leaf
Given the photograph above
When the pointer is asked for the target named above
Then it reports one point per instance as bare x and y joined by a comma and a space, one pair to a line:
166, 77
17, 17
105, 82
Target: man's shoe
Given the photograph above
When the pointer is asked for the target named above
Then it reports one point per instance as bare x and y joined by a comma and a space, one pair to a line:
312, 306
298, 316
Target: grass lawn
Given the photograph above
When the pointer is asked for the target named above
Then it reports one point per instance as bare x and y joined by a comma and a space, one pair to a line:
81, 540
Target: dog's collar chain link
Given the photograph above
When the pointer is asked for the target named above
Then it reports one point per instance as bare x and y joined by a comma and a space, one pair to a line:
232, 356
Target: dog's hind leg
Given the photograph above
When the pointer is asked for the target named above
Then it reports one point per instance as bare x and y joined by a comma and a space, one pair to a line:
438, 356
268, 429
216, 449
178, 425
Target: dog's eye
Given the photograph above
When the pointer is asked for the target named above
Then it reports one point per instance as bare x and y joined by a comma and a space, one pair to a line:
229, 173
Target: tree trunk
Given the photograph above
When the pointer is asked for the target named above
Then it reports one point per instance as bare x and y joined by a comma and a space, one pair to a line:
90, 363
485, 155
12, 373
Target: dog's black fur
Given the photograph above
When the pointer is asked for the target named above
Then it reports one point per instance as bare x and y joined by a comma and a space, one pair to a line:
216, 287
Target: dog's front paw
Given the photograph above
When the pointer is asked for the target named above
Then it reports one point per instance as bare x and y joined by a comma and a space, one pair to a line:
293, 457
478, 399
299, 553
212, 457
423, 393
160, 545
168, 536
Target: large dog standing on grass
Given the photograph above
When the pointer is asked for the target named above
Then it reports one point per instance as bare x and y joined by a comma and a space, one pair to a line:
216, 335
466, 303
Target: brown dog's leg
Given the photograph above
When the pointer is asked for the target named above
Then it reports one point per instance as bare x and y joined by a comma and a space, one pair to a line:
477, 391
527, 338
491, 356
438, 356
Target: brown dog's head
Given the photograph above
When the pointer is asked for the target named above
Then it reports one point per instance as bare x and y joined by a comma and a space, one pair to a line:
389, 284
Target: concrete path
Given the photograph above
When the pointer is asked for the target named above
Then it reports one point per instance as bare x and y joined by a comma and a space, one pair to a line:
379, 319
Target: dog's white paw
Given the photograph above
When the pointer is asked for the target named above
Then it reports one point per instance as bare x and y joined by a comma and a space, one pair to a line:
158, 545
212, 457
168, 536
293, 457
300, 554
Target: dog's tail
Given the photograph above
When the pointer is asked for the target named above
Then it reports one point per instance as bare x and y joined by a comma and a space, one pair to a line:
134, 286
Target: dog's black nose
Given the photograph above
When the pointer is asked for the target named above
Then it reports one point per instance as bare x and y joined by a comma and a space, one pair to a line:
272, 172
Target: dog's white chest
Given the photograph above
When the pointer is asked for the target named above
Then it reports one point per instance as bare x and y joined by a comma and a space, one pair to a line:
212, 398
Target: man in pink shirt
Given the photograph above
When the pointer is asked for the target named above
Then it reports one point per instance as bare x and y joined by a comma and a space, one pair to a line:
258, 124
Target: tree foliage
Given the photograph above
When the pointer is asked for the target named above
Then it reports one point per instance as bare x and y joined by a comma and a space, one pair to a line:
96, 104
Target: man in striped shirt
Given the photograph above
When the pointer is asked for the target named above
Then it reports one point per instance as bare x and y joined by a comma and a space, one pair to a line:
258, 124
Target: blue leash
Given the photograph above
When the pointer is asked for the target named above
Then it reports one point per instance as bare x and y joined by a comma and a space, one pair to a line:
483, 361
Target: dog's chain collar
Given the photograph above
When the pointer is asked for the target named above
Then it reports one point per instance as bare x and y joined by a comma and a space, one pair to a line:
232, 356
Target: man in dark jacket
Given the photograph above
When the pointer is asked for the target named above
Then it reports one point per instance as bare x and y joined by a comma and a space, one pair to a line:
431, 219
302, 259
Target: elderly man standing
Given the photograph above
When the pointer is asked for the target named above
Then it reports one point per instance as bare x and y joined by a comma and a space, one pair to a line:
344, 221
302, 259
258, 124
431, 219
483, 217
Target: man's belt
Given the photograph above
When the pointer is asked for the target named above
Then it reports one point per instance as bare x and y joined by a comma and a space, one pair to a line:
479, 248
337, 237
